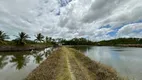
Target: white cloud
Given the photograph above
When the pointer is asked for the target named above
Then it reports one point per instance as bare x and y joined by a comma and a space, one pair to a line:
131, 30
78, 18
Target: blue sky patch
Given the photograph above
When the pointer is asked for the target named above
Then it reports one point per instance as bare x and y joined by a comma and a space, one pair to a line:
64, 2
107, 26
113, 33
58, 12
137, 31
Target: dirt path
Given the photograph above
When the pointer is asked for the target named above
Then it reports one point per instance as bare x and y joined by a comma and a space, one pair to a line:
78, 72
68, 64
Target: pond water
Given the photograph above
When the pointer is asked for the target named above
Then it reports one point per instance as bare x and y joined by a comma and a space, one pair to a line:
17, 65
127, 61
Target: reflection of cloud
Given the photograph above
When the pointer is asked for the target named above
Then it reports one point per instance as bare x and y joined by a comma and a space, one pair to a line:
126, 61
99, 53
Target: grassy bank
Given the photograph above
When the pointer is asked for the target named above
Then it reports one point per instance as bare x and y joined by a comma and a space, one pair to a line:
68, 64
11, 48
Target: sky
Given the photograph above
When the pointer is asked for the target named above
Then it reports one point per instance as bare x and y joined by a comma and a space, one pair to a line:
91, 19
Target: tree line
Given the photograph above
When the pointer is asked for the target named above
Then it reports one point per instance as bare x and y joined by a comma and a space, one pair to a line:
22, 38
115, 42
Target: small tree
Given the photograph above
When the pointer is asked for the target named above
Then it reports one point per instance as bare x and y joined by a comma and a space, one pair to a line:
39, 37
3, 36
22, 37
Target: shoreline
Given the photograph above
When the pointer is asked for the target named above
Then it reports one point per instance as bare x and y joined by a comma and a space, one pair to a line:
118, 45
69, 64
8, 48
130, 45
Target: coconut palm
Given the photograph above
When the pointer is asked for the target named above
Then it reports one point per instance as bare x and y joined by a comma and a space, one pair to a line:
48, 39
39, 37
22, 37
3, 36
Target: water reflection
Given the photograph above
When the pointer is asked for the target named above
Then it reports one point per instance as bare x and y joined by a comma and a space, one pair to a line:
19, 61
3, 62
81, 48
126, 60
17, 65
38, 57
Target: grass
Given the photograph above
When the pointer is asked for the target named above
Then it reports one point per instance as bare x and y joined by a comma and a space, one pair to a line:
69, 64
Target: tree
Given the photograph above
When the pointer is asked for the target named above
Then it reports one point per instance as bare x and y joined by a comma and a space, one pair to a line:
22, 37
3, 36
48, 39
39, 37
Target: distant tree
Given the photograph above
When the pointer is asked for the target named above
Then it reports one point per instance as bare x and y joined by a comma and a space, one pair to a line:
59, 40
47, 39
3, 36
22, 37
39, 37
50, 39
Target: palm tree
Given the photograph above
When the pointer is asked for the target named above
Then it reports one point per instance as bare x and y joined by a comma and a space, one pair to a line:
46, 39
3, 36
22, 37
39, 37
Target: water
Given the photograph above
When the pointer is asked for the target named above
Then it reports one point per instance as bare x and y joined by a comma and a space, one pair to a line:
126, 60
17, 65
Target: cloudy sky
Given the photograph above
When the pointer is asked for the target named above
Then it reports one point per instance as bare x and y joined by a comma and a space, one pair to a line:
91, 19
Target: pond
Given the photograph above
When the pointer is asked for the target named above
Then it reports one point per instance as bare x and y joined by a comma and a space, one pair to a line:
127, 61
17, 65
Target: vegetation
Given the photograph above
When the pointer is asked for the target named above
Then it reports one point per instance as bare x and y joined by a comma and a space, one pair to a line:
23, 39
3, 36
118, 41
76, 41
39, 37
69, 64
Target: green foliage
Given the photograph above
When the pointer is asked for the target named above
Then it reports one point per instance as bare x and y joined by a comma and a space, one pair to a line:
21, 38
3, 36
77, 41
39, 37
120, 41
